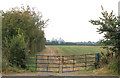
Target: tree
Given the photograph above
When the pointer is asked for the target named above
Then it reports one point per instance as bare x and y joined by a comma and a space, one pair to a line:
28, 21
110, 27
30, 24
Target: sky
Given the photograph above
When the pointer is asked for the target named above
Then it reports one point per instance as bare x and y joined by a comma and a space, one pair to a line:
68, 19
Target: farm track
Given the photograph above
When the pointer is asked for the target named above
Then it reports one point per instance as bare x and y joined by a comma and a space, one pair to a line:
53, 51
50, 51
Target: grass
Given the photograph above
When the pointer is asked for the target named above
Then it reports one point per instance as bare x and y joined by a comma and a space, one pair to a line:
75, 50
31, 62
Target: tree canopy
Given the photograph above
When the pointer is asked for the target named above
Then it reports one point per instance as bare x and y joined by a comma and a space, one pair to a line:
22, 29
109, 25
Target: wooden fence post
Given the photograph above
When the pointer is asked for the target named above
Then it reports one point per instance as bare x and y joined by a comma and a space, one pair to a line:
36, 64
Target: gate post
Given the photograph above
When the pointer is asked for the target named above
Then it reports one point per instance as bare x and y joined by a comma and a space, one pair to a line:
85, 61
73, 63
96, 60
36, 64
62, 62
48, 63
59, 63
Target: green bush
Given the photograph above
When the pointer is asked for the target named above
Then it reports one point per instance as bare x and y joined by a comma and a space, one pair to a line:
17, 51
105, 58
110, 62
113, 65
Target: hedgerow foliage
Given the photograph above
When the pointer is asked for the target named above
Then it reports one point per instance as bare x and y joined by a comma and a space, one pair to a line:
17, 51
22, 34
109, 25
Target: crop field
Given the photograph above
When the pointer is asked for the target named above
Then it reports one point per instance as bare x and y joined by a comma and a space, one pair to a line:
75, 50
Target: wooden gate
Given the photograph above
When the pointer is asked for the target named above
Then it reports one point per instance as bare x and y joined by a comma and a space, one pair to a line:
72, 63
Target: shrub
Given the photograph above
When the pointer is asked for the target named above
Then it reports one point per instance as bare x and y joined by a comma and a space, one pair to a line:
105, 58
17, 51
113, 65
110, 62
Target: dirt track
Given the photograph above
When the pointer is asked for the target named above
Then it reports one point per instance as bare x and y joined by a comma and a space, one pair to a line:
50, 51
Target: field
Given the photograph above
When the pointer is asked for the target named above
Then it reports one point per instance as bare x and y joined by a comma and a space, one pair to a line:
75, 50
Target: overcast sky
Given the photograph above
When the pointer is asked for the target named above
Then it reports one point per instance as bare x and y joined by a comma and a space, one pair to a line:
69, 19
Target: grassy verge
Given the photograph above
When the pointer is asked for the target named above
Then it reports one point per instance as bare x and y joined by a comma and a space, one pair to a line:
7, 69
31, 62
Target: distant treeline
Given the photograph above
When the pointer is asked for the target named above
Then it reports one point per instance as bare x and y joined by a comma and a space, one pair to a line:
89, 43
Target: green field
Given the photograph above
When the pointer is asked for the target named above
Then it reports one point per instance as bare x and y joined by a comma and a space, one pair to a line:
75, 50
